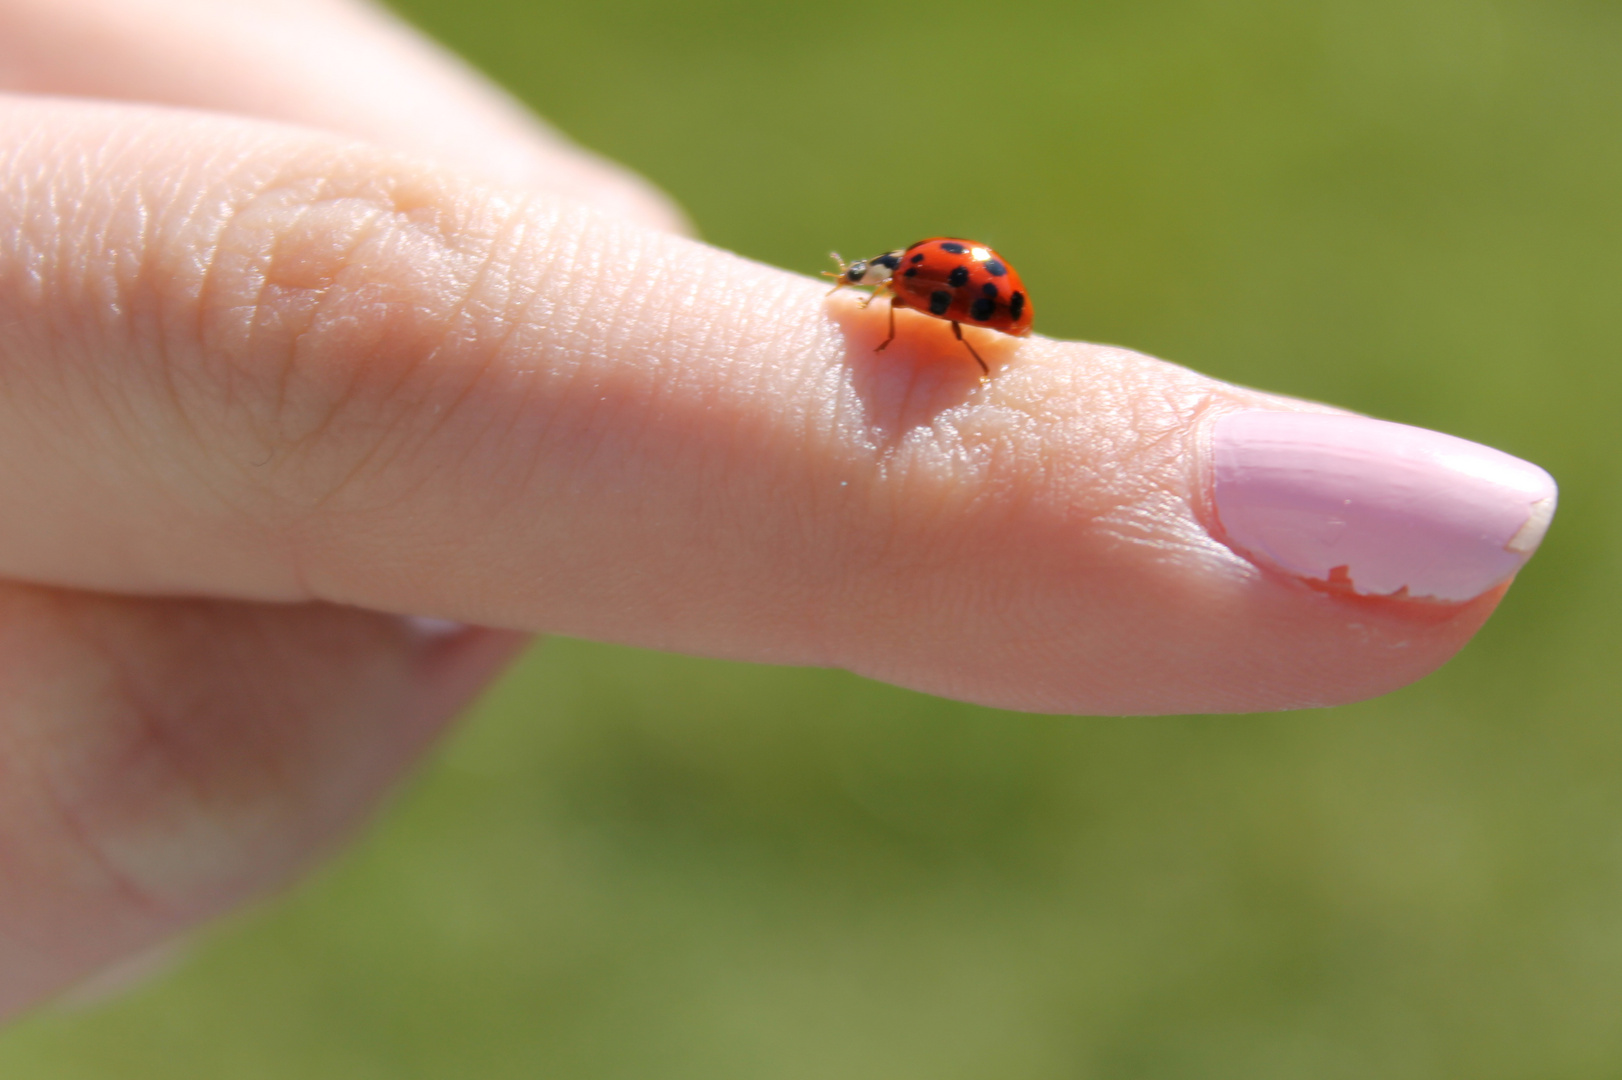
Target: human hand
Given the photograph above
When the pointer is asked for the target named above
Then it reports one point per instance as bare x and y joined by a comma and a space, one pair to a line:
264, 386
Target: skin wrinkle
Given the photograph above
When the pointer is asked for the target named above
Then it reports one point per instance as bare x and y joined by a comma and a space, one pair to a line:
399, 441
24, 194
378, 449
641, 327
604, 311
150, 745
1016, 466
142, 309
822, 452
677, 413
131, 895
539, 414
127, 244
162, 727
532, 226
117, 236
309, 343
728, 419
295, 569
827, 405
188, 329
99, 387
1146, 514
870, 479
665, 402
569, 435
1124, 476
510, 237
725, 411
823, 491
262, 310
244, 779
651, 385
641, 388
119, 421
953, 477
382, 237
211, 338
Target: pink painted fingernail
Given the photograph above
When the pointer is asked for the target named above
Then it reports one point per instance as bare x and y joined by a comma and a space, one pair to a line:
1378, 508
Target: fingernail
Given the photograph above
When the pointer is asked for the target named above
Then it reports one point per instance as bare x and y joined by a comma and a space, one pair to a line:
433, 630
1376, 508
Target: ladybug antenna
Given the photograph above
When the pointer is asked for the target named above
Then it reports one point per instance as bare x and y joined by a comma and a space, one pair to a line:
837, 275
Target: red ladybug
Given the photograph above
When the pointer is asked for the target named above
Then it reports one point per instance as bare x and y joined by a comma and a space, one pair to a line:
957, 280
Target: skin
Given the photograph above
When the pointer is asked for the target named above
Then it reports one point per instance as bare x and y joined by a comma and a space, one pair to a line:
290, 350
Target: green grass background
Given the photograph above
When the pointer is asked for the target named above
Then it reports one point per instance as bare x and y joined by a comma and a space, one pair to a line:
641, 866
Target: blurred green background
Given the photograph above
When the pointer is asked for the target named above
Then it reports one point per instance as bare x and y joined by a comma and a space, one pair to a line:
633, 865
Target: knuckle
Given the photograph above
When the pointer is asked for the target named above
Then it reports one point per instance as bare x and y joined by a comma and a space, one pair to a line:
329, 312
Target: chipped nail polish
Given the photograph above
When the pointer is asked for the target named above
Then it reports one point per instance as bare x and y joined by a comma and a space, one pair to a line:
1376, 508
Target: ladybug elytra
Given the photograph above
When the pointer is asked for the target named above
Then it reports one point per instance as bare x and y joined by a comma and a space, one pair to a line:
960, 281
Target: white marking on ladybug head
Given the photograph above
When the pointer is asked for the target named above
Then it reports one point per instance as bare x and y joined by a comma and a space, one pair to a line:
881, 268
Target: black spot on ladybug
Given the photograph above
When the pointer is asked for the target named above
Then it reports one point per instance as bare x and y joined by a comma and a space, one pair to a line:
912, 271
959, 276
918, 257
939, 301
954, 247
982, 308
1016, 304
888, 260
989, 289
994, 268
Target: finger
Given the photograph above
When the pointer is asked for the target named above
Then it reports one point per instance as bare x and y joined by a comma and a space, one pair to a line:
339, 376
165, 760
346, 67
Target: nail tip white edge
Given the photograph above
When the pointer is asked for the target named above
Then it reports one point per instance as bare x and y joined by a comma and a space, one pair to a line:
1538, 518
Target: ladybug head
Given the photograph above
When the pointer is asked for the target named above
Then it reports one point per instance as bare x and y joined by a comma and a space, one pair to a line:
874, 271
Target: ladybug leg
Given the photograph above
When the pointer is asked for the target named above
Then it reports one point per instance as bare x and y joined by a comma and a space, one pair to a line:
886, 342
958, 331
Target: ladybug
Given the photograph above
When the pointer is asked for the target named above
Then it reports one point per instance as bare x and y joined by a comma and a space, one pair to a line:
960, 281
